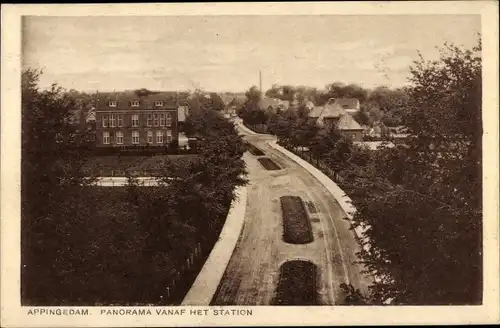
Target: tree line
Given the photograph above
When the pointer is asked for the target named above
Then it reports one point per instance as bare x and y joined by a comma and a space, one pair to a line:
381, 104
420, 200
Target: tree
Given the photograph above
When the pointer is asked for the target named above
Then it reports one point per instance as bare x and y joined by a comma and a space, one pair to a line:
253, 94
217, 102
52, 156
424, 210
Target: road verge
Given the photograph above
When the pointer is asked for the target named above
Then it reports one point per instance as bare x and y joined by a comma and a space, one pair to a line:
207, 281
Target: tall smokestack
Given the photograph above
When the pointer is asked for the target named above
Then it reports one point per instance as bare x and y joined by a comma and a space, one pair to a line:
260, 81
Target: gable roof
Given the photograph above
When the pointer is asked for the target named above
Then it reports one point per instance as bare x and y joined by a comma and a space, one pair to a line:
265, 103
332, 111
316, 111
347, 122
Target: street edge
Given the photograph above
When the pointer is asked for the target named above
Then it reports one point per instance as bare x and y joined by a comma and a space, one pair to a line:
210, 276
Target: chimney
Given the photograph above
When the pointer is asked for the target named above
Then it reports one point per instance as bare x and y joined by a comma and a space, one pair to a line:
260, 81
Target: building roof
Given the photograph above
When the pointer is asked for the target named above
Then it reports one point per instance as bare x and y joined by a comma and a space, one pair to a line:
332, 110
347, 103
316, 111
124, 99
265, 103
347, 122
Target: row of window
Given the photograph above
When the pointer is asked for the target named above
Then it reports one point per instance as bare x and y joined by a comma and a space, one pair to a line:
116, 120
106, 137
135, 103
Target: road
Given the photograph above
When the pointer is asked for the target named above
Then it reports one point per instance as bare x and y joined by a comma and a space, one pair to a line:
252, 274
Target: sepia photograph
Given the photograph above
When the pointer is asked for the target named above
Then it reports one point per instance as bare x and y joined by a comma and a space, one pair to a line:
213, 164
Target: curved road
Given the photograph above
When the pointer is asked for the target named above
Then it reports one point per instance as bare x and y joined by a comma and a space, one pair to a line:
252, 274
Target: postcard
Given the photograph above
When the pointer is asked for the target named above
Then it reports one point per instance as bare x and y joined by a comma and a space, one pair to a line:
249, 164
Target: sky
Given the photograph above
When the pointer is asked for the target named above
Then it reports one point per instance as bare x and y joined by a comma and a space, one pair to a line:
226, 53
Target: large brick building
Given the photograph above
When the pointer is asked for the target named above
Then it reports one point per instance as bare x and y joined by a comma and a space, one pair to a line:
127, 119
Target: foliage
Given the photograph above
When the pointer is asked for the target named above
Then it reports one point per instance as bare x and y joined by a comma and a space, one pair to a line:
86, 245
217, 102
419, 201
424, 209
52, 155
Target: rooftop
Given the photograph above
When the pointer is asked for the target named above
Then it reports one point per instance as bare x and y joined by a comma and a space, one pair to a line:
124, 100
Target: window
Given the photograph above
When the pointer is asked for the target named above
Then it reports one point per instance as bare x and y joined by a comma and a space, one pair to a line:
159, 137
155, 119
169, 119
105, 138
162, 119
135, 120
119, 138
150, 120
120, 120
159, 103
134, 103
112, 120
112, 103
135, 137
104, 121
150, 137
169, 136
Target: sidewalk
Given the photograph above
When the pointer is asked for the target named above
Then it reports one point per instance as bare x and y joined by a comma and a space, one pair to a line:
207, 281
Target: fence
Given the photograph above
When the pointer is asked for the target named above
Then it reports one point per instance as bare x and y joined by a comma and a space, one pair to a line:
317, 162
179, 284
143, 150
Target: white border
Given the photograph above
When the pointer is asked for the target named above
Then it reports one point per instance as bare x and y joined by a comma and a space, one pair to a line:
13, 315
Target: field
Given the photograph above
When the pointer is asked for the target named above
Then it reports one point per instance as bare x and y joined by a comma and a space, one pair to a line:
114, 165
297, 284
268, 163
296, 225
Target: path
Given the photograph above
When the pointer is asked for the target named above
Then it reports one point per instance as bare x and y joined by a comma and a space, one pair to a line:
252, 274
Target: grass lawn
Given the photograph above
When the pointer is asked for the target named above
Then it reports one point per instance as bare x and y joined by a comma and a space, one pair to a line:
268, 163
297, 284
114, 165
254, 150
296, 225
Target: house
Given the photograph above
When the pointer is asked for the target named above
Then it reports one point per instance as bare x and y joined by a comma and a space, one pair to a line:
233, 105
350, 105
272, 104
331, 114
127, 119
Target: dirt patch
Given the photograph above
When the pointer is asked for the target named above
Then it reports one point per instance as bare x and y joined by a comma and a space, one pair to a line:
254, 150
268, 163
297, 284
296, 225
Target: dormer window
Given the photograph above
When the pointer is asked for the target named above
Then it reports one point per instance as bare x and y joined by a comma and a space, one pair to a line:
112, 103
159, 103
134, 103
